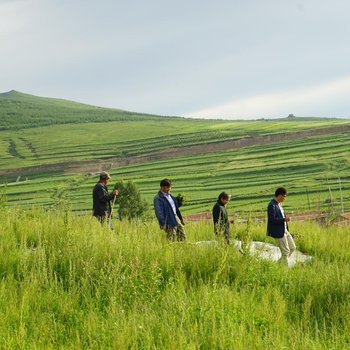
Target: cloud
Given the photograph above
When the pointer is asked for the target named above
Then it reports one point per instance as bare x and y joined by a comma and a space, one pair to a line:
227, 60
316, 101
11, 17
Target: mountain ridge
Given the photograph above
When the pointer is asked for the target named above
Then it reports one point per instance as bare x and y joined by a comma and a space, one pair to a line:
21, 97
19, 110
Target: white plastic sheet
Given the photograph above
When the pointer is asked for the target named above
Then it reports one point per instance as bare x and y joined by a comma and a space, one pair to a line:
264, 250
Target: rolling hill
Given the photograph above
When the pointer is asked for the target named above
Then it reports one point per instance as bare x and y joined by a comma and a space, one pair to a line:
20, 111
50, 149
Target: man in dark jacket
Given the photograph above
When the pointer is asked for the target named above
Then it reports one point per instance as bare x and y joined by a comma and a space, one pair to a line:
220, 217
277, 226
168, 214
102, 199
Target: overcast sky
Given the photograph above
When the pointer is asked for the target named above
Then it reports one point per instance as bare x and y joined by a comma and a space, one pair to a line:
219, 59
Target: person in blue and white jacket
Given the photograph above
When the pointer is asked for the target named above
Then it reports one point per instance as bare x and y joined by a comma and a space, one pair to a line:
168, 213
277, 226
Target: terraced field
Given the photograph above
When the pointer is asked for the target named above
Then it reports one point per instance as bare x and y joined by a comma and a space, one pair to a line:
311, 169
50, 164
57, 143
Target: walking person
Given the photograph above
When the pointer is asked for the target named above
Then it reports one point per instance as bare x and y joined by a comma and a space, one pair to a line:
168, 214
277, 226
102, 208
220, 217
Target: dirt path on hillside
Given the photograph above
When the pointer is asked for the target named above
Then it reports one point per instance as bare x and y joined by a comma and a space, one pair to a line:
97, 165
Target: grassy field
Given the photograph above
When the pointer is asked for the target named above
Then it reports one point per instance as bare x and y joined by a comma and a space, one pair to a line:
21, 111
315, 169
76, 142
27, 141
69, 283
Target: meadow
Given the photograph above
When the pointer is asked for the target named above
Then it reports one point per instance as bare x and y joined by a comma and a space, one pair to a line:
41, 131
45, 144
101, 141
69, 283
315, 170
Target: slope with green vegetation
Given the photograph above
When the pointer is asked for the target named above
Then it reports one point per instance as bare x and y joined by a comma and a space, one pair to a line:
47, 164
315, 171
76, 137
22, 111
68, 282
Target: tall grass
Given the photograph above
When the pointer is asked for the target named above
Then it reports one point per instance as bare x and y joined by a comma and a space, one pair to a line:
68, 282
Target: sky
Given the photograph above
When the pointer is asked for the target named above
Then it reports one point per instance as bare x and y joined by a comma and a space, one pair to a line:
227, 59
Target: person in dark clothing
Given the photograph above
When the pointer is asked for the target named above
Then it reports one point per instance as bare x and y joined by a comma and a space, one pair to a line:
277, 226
102, 199
220, 217
168, 213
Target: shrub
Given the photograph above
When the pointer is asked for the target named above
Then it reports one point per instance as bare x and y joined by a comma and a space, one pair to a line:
130, 203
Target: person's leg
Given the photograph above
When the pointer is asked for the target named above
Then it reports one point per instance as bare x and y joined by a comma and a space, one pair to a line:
99, 218
171, 233
291, 243
221, 237
180, 230
282, 243
111, 224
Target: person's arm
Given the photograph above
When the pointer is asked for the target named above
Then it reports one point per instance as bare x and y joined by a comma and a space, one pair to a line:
103, 195
178, 213
216, 214
159, 211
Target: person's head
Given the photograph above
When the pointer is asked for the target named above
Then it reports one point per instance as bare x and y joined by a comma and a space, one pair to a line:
224, 198
280, 194
104, 177
165, 185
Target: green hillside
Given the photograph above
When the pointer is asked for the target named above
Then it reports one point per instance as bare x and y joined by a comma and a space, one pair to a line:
310, 169
50, 131
52, 149
19, 111
69, 282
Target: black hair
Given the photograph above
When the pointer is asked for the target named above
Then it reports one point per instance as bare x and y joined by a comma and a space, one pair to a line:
165, 183
280, 190
223, 195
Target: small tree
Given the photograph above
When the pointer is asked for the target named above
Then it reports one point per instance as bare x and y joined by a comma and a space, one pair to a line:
130, 203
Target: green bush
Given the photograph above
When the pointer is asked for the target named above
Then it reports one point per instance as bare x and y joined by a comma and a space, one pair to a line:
131, 205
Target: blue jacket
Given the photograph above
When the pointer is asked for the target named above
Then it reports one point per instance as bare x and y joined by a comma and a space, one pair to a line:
275, 220
164, 211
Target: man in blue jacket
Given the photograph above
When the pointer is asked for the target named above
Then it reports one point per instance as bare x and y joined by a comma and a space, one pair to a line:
277, 226
168, 214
